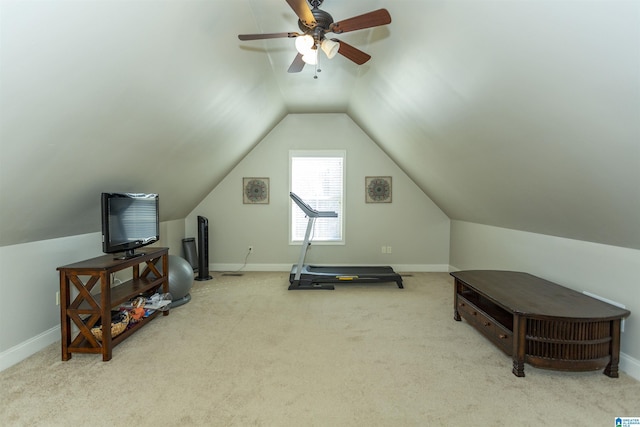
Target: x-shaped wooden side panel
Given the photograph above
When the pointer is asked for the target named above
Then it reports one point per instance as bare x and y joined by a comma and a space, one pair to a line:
85, 330
151, 268
84, 294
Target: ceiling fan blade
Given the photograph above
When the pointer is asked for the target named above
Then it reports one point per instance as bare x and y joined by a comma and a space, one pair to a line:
266, 36
297, 65
367, 20
352, 53
302, 9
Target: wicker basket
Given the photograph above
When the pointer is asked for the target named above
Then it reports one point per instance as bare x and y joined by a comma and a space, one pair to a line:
116, 328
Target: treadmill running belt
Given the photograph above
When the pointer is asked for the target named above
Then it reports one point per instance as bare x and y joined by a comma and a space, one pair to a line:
313, 276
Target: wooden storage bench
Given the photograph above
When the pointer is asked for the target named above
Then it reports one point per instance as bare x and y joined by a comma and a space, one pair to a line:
539, 322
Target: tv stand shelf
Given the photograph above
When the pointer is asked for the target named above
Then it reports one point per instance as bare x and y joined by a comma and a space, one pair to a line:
94, 298
539, 322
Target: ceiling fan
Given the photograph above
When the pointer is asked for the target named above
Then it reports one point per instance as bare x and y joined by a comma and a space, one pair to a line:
314, 25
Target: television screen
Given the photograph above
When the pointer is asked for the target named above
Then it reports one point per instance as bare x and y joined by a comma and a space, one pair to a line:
129, 221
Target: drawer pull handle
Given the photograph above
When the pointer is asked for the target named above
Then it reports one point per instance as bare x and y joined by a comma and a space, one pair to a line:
461, 304
475, 313
487, 324
502, 336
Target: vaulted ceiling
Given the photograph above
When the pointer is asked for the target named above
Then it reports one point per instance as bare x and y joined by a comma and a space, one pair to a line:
518, 114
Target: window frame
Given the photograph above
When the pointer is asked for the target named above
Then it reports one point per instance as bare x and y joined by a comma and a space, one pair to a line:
341, 215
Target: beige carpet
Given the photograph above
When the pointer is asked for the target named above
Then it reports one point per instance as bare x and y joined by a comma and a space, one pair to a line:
245, 351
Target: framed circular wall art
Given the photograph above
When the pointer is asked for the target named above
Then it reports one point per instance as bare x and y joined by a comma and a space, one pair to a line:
255, 191
377, 189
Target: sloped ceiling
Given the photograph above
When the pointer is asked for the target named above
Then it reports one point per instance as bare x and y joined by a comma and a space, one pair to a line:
518, 114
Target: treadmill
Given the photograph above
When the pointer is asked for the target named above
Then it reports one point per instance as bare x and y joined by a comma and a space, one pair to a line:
304, 276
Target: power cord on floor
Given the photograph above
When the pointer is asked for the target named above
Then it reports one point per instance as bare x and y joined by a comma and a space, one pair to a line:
246, 257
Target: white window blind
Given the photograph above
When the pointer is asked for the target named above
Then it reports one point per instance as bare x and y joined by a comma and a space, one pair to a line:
318, 178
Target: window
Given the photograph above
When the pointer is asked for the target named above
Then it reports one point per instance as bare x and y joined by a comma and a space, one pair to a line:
318, 178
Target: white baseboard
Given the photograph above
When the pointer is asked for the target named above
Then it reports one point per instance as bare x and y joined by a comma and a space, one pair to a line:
421, 268
249, 267
400, 268
31, 346
630, 366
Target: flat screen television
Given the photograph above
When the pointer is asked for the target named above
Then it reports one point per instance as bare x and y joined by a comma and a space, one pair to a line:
129, 221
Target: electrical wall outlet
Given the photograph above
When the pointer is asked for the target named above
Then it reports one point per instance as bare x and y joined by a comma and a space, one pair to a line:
58, 298
384, 250
388, 249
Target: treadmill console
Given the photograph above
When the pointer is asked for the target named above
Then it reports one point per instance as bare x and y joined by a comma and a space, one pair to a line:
309, 211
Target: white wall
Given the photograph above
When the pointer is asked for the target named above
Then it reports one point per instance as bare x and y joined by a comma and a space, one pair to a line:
415, 228
608, 271
29, 281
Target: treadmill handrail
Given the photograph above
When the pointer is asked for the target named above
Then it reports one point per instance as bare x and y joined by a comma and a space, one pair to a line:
309, 211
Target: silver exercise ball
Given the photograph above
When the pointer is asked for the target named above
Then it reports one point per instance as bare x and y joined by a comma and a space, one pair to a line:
180, 280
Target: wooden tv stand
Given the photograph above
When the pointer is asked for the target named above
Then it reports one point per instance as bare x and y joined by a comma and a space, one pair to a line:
88, 307
539, 322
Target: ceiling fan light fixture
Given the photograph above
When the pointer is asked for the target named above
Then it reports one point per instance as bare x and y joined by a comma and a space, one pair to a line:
330, 48
314, 25
304, 44
311, 57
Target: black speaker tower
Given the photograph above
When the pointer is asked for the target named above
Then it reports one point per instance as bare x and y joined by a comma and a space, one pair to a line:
203, 249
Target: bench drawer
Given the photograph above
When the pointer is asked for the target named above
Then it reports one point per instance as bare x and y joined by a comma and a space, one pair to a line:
487, 325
